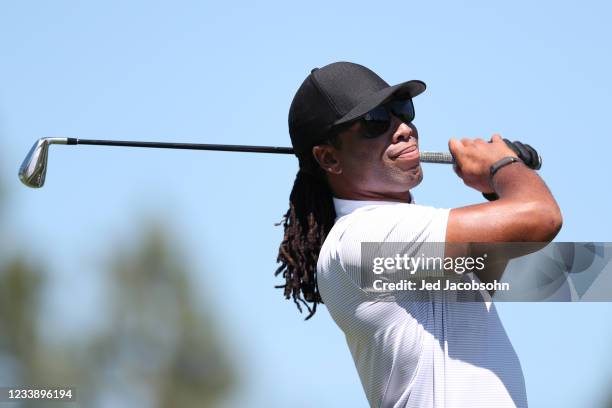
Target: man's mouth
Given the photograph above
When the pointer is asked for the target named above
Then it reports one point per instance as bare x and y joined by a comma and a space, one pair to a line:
409, 152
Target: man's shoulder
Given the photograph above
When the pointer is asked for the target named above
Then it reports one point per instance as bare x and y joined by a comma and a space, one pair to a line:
398, 222
394, 212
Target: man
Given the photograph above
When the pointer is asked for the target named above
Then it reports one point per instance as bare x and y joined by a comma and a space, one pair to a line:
358, 156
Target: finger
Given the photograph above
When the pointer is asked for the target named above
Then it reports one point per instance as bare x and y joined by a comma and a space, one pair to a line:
457, 171
496, 138
454, 146
466, 141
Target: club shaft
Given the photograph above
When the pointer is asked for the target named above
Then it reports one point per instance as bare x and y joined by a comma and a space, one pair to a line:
426, 157
186, 146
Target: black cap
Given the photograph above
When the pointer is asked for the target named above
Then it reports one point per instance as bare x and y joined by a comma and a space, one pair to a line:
335, 94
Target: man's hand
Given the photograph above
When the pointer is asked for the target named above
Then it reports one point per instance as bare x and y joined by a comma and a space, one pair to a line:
474, 157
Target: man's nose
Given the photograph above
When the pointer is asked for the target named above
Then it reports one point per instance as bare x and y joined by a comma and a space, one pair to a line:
403, 132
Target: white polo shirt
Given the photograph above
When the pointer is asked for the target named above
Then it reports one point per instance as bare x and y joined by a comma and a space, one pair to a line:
426, 354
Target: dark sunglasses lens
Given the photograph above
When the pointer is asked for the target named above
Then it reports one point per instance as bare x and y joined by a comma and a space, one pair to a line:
376, 122
403, 110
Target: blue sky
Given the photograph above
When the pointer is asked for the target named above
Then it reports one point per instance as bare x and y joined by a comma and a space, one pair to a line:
211, 72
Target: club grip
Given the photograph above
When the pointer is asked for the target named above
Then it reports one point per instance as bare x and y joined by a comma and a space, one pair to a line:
437, 157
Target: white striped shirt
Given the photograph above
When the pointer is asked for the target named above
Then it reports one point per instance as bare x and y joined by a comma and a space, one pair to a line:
429, 354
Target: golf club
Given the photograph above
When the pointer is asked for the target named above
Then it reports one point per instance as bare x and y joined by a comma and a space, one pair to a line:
34, 167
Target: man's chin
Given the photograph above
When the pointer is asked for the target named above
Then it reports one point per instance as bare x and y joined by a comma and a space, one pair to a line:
416, 182
406, 180
414, 176
419, 175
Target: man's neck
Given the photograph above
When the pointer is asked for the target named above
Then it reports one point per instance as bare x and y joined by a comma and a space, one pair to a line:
403, 197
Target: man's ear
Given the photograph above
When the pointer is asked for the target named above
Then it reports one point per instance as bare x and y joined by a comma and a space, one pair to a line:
327, 157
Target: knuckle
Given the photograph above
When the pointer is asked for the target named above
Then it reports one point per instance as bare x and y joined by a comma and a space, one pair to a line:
454, 146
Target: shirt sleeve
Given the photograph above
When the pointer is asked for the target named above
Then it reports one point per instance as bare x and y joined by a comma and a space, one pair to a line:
390, 229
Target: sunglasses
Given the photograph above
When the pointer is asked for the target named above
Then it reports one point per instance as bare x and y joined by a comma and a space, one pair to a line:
377, 121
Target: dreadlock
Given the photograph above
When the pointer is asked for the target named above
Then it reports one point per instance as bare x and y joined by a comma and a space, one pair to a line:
309, 219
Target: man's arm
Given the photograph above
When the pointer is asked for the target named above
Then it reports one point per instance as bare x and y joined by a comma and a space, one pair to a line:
526, 211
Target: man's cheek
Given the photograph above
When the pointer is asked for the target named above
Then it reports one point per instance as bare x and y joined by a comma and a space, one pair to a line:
364, 154
357, 159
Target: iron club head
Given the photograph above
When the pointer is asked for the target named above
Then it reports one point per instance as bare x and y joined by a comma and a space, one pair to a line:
34, 167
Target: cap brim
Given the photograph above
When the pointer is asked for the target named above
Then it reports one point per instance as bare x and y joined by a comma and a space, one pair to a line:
408, 88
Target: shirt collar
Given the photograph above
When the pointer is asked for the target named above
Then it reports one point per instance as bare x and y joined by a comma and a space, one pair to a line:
344, 207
